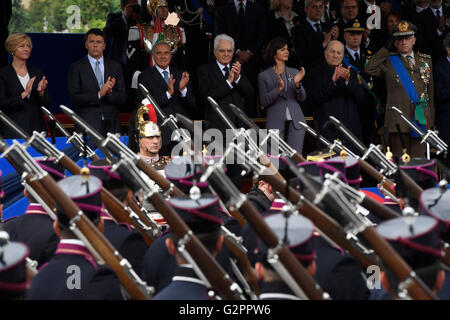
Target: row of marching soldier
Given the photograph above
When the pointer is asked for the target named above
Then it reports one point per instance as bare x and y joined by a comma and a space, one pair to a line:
406, 231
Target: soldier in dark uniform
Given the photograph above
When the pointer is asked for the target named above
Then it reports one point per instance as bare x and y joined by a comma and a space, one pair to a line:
203, 218
357, 56
417, 241
35, 226
129, 242
181, 173
409, 81
337, 272
14, 279
434, 202
73, 268
297, 233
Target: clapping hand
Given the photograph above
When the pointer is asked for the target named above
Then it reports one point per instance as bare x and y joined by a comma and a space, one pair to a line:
28, 88
170, 85
42, 85
236, 69
344, 73
184, 80
107, 87
299, 76
280, 83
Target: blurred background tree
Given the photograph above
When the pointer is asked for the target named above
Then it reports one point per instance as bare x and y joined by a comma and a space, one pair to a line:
62, 16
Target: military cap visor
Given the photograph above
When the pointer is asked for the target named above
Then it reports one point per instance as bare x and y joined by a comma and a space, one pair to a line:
353, 26
403, 29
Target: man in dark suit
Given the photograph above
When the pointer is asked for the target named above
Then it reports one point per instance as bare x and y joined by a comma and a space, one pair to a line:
224, 82
96, 86
5, 15
310, 37
124, 46
169, 87
336, 92
442, 93
432, 30
245, 22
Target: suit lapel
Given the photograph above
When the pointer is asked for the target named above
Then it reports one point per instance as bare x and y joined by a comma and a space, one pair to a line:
158, 78
90, 73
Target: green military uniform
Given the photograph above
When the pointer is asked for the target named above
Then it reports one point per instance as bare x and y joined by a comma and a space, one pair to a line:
422, 78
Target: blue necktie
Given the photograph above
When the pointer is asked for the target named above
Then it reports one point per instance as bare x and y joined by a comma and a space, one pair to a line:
166, 76
98, 74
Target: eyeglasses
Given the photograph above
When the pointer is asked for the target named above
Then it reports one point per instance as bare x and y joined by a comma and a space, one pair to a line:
225, 50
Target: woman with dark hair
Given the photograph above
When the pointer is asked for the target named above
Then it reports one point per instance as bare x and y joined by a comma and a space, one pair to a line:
23, 88
280, 89
281, 20
379, 37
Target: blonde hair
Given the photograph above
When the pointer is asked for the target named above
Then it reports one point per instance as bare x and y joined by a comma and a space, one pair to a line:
274, 5
13, 41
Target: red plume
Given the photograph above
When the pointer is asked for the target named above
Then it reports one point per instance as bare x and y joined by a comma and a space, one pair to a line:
150, 111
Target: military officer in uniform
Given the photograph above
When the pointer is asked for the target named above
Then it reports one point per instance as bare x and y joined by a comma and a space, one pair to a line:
418, 242
128, 241
14, 279
409, 81
297, 234
203, 218
147, 136
357, 57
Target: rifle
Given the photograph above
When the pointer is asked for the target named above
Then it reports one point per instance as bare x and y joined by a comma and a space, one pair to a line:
281, 258
113, 144
188, 123
384, 184
331, 196
253, 147
75, 138
83, 228
326, 225
170, 121
249, 279
114, 206
430, 137
189, 247
286, 150
374, 154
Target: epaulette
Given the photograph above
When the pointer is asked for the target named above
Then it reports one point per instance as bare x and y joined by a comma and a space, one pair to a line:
165, 159
424, 55
9, 219
369, 52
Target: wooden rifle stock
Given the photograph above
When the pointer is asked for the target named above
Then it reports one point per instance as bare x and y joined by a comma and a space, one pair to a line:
390, 257
298, 158
159, 179
292, 265
321, 220
247, 269
114, 206
377, 176
108, 253
381, 211
117, 211
217, 277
